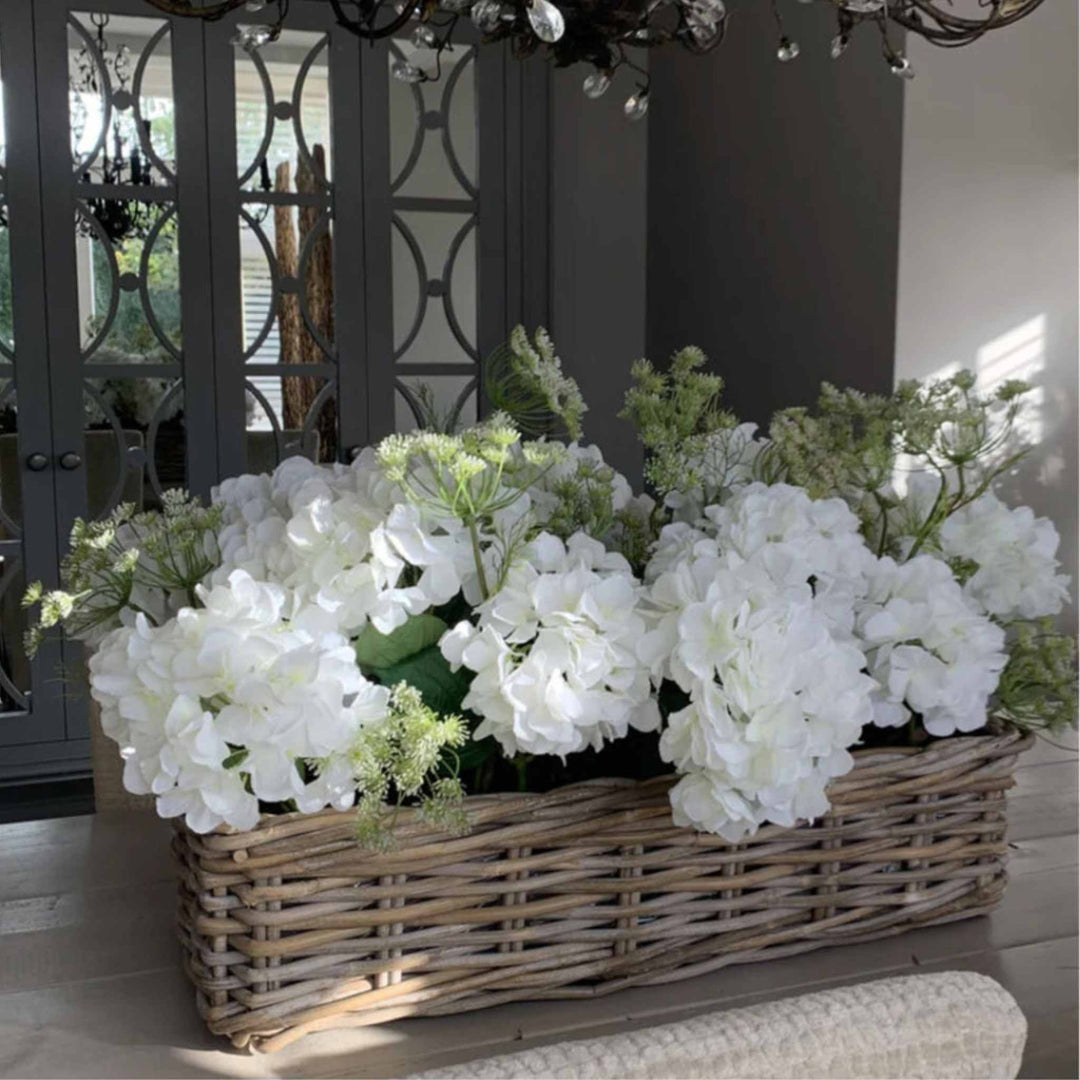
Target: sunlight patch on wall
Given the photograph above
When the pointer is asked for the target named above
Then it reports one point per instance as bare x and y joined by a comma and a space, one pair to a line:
1019, 353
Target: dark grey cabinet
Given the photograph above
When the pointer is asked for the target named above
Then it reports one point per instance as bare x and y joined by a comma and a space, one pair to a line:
212, 258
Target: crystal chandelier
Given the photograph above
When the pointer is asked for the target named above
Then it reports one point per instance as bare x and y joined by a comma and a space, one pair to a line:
127, 217
600, 32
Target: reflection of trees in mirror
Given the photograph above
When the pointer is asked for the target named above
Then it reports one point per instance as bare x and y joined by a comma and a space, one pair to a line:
130, 332
130, 340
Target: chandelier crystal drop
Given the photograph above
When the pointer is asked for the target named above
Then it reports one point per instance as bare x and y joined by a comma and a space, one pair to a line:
901, 67
487, 15
424, 38
637, 105
254, 37
546, 21
596, 84
407, 73
787, 50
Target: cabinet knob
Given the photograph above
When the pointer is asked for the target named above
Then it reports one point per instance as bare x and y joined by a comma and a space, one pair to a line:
37, 462
70, 460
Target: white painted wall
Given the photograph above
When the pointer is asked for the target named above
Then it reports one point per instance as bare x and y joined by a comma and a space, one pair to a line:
988, 235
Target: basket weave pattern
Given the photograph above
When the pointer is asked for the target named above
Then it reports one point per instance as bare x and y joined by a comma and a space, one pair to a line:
292, 927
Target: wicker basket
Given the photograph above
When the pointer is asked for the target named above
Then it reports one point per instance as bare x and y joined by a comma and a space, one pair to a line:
291, 927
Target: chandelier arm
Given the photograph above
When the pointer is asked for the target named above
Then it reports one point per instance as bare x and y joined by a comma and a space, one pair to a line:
948, 21
369, 33
187, 9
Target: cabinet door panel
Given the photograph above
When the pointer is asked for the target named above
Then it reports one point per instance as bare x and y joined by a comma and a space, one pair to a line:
32, 713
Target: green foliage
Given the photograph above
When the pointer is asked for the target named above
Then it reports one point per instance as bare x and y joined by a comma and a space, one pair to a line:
130, 332
676, 414
119, 563
404, 759
1038, 688
853, 444
375, 650
432, 416
848, 445
524, 379
429, 673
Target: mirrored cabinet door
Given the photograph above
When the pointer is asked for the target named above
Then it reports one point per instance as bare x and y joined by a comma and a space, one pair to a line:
214, 256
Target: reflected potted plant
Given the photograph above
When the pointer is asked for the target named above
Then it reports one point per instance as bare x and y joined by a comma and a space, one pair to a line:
129, 399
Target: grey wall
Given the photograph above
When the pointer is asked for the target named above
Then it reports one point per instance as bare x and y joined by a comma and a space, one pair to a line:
598, 212
773, 209
988, 237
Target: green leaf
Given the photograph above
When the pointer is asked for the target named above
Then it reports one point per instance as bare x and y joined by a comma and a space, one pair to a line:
442, 689
375, 651
237, 757
475, 752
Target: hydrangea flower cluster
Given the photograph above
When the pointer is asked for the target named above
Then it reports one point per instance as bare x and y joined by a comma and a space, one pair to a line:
553, 652
777, 690
217, 709
343, 541
929, 649
1014, 555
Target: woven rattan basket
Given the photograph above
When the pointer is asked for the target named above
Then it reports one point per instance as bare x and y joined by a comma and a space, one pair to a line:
292, 927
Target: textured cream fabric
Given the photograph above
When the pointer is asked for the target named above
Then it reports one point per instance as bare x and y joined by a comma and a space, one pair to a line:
955, 1024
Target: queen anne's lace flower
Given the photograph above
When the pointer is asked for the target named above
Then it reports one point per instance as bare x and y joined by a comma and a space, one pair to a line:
579, 465
930, 650
227, 693
1016, 557
722, 462
554, 652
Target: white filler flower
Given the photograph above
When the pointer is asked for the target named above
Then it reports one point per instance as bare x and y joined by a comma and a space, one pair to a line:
556, 670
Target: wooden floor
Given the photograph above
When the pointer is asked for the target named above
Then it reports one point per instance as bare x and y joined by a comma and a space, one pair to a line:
90, 985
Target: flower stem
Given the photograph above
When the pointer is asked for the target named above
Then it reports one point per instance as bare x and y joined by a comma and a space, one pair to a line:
478, 558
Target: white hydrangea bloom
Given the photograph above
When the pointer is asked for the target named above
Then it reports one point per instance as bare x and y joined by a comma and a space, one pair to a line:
799, 540
775, 697
752, 614
929, 649
554, 654
231, 681
1016, 553
677, 542
340, 538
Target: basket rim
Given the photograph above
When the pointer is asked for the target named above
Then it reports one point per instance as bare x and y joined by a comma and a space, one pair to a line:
1009, 738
